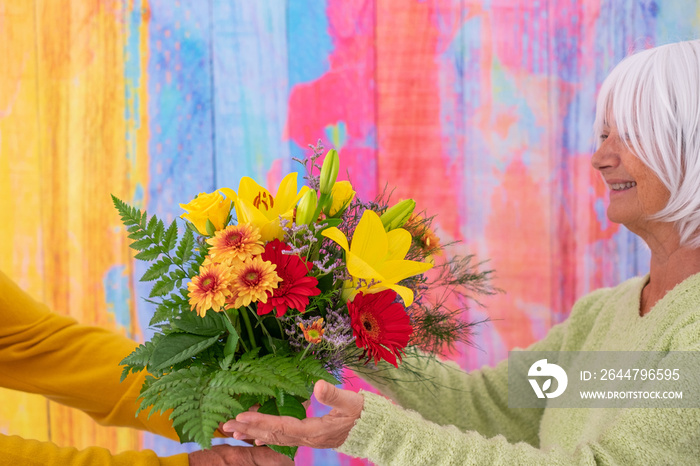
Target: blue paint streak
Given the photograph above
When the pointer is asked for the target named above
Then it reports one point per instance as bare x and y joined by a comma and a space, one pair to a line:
675, 21
137, 200
180, 106
132, 82
601, 213
117, 295
337, 134
181, 133
251, 89
308, 24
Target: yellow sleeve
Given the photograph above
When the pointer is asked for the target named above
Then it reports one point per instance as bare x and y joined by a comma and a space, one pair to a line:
72, 364
16, 450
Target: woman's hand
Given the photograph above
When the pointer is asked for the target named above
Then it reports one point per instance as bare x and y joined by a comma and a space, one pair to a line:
329, 431
225, 455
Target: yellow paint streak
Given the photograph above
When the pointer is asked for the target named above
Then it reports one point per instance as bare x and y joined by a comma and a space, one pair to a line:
62, 153
20, 228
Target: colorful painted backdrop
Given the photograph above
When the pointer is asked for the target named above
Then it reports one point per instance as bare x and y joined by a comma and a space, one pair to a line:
480, 110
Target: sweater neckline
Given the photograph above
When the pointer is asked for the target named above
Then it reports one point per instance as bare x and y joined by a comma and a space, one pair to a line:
676, 292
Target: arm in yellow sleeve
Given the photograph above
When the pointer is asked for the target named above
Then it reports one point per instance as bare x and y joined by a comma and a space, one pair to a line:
16, 450
72, 364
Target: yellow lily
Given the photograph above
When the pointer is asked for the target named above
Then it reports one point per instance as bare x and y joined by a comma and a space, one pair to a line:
255, 205
375, 258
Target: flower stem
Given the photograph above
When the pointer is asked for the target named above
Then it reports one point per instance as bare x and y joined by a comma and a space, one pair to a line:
249, 327
280, 326
306, 350
269, 337
245, 347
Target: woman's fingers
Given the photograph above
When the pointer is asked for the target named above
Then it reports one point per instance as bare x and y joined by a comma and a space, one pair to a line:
346, 401
329, 431
275, 430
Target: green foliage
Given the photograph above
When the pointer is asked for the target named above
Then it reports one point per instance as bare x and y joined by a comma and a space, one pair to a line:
185, 248
173, 306
154, 243
157, 270
195, 368
139, 358
210, 325
170, 237
202, 397
178, 347
197, 407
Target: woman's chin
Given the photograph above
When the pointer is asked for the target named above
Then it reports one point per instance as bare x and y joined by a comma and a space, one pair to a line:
616, 215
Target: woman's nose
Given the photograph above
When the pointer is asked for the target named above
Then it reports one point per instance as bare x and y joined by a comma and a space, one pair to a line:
604, 157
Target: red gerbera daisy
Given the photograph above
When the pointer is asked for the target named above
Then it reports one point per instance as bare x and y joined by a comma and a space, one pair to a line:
380, 325
295, 288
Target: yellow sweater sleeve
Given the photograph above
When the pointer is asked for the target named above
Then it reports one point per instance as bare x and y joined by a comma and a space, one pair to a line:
17, 450
75, 365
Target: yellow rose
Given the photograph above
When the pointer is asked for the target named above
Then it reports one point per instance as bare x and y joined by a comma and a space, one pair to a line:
342, 195
212, 206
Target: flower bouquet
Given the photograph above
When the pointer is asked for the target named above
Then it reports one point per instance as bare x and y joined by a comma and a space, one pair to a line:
254, 308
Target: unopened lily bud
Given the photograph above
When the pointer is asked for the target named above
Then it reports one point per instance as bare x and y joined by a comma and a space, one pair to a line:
396, 216
306, 208
329, 171
342, 195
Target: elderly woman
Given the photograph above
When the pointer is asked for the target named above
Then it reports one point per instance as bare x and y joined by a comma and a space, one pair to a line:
648, 122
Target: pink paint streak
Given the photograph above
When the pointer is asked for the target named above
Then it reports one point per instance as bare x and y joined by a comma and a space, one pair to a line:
412, 156
344, 93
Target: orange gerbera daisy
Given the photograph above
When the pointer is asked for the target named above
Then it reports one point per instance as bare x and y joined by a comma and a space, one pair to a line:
235, 244
252, 280
210, 288
314, 332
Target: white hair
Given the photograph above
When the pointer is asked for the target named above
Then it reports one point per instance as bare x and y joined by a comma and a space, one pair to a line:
653, 99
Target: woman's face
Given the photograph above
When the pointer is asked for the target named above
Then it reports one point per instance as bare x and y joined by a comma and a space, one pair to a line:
635, 191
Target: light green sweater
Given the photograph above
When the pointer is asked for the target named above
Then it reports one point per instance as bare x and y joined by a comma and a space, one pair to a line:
473, 424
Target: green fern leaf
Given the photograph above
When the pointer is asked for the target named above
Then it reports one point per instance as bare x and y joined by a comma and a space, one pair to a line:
125, 372
142, 244
152, 225
240, 383
138, 359
157, 270
314, 370
138, 233
184, 250
143, 219
148, 254
158, 233
164, 312
178, 274
124, 210
162, 287
170, 237
197, 406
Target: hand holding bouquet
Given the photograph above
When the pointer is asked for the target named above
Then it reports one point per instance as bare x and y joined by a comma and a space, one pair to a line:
266, 294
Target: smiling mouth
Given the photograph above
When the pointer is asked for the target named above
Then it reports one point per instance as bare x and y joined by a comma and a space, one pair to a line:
623, 186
